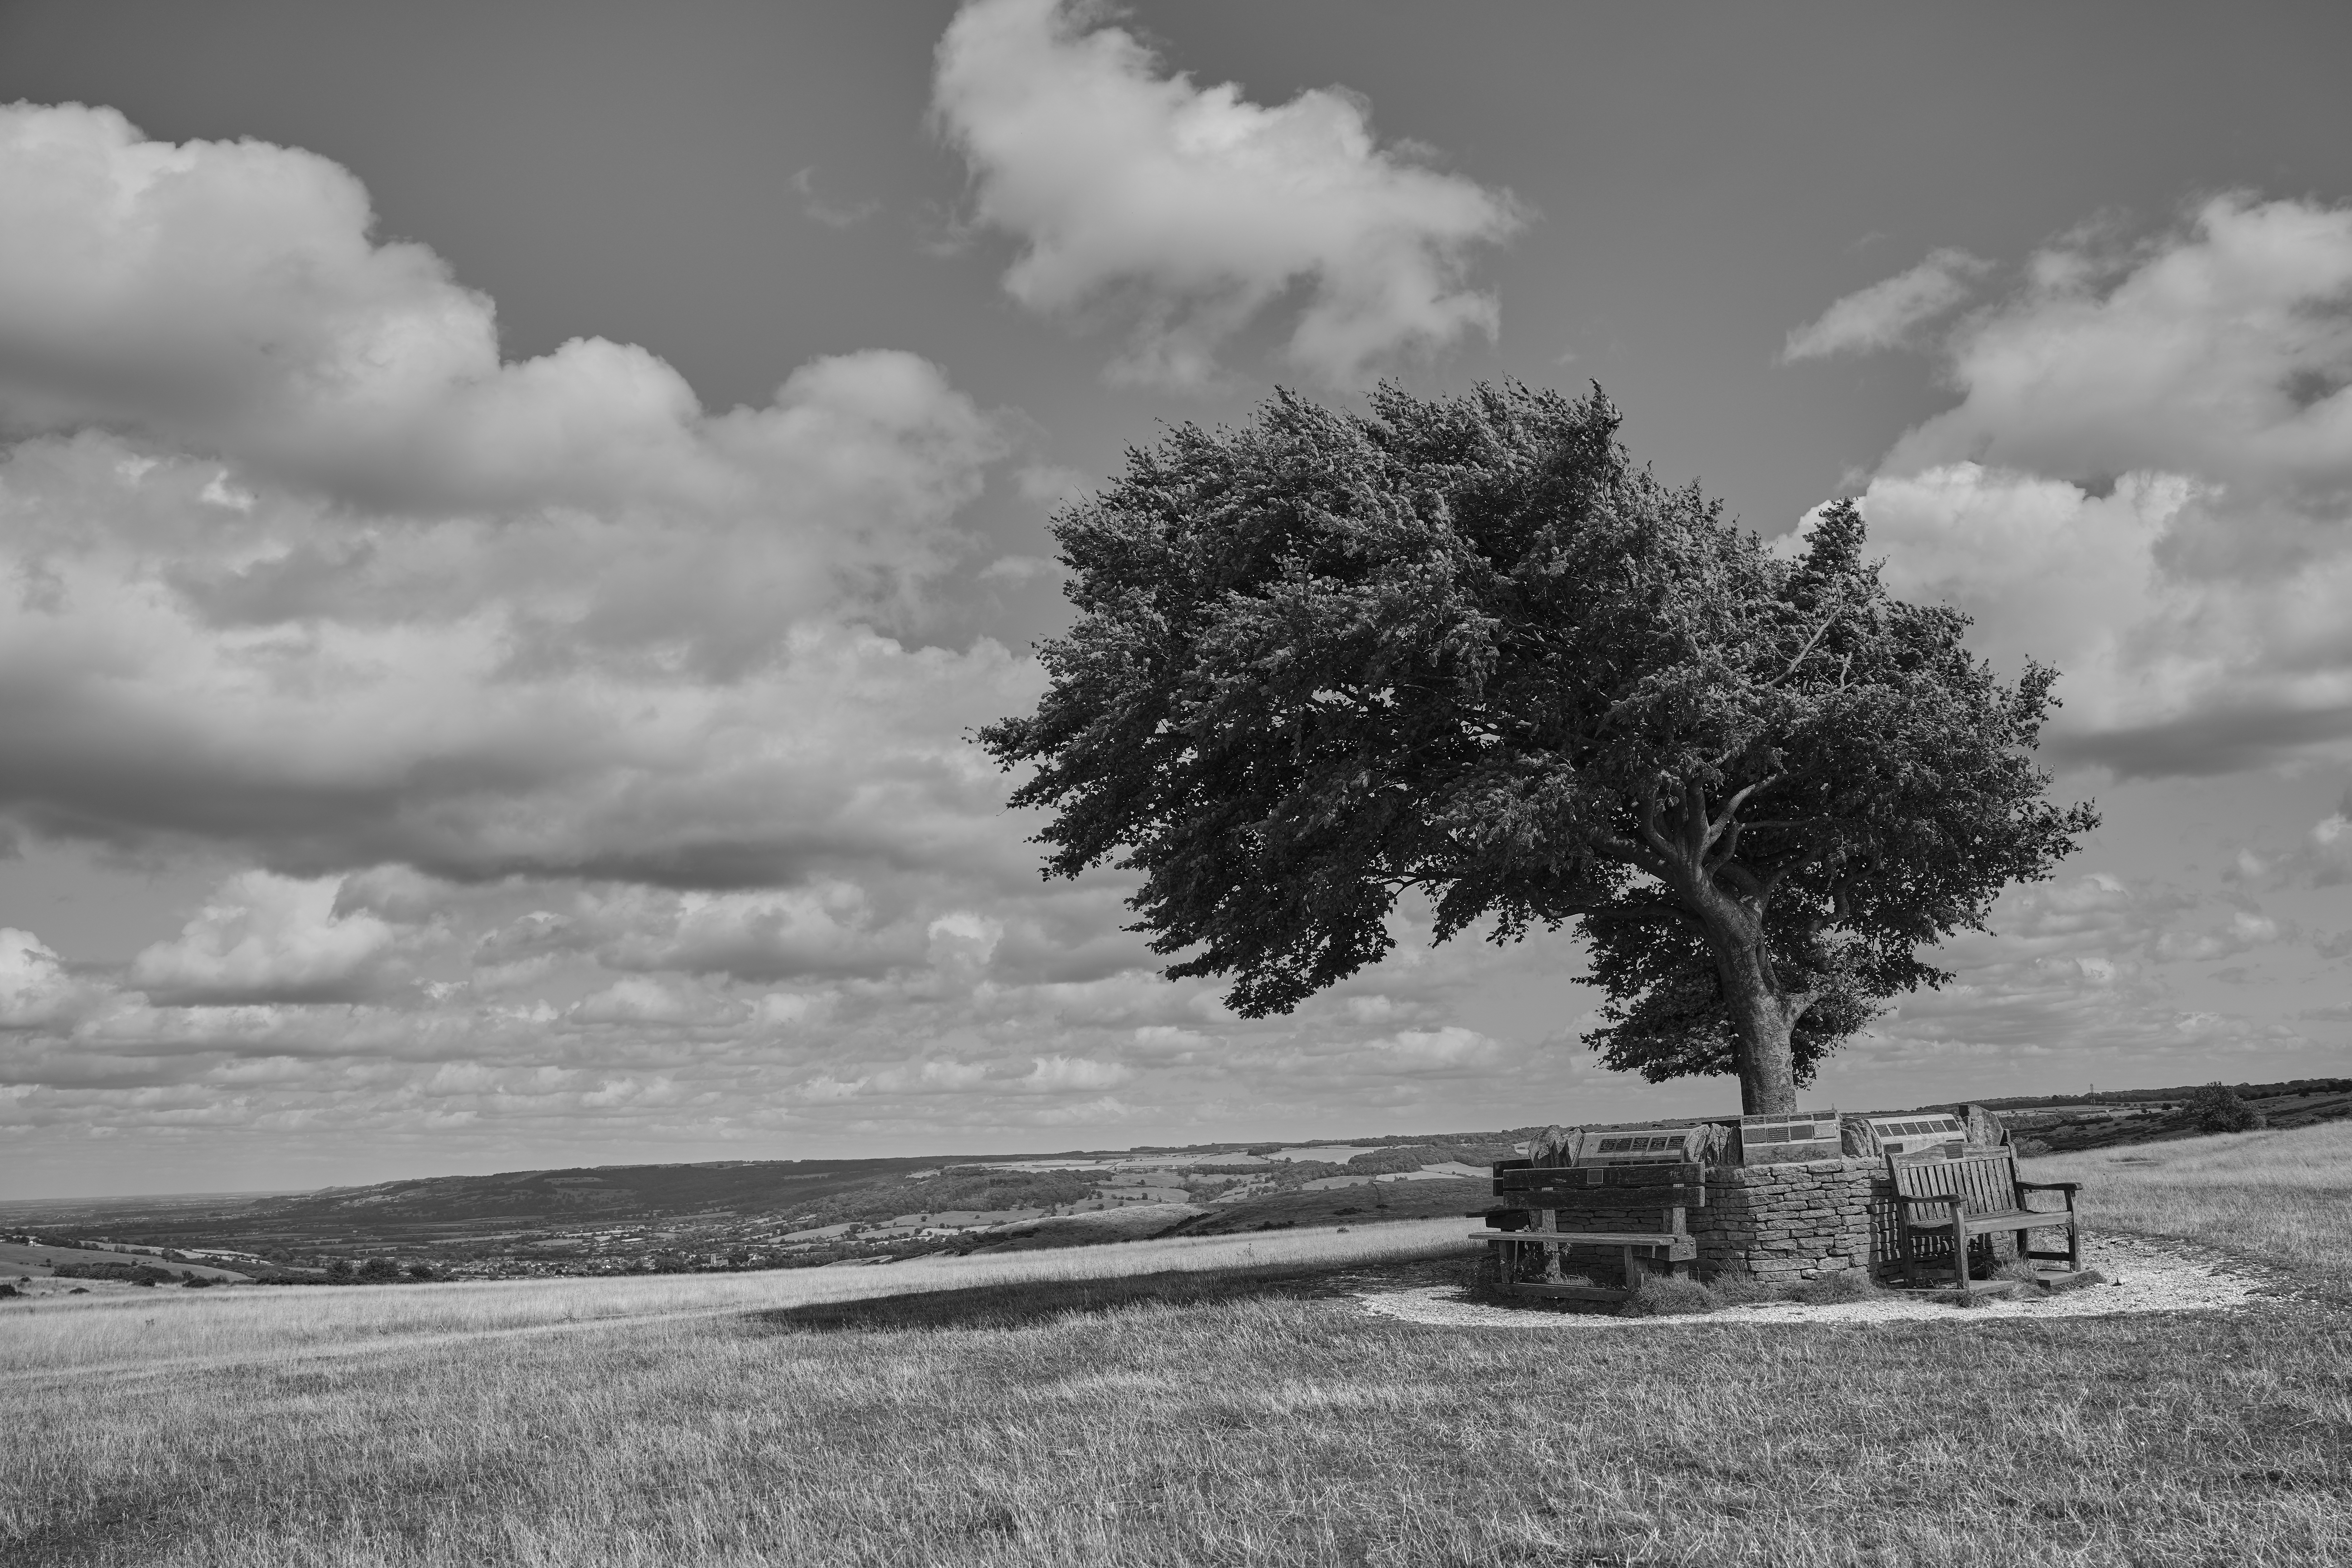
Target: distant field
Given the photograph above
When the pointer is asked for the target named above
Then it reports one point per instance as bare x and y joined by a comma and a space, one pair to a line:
17, 1258
154, 1331
1215, 1401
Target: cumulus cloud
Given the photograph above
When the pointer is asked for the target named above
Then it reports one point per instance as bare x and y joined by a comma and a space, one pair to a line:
1888, 311
1190, 209
303, 567
35, 988
2147, 481
229, 298
265, 938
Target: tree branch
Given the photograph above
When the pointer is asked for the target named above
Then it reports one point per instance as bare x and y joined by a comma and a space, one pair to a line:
1819, 632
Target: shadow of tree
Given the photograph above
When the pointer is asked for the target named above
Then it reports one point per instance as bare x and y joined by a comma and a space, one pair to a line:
1019, 1304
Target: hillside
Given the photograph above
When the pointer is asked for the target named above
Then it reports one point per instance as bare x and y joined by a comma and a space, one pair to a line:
754, 1214
2110, 1119
1209, 1401
781, 1213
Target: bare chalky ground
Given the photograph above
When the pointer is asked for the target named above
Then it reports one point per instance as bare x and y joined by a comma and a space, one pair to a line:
2146, 1277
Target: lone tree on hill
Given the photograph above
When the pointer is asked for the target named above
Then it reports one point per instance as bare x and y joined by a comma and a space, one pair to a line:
1465, 646
2217, 1108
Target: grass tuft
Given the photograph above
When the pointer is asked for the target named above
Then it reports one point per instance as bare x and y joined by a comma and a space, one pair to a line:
1660, 1296
1829, 1290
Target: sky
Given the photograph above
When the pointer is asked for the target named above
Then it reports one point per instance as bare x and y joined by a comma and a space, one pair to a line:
509, 514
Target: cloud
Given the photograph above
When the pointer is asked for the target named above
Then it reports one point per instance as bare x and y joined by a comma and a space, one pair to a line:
35, 988
228, 298
1060, 1074
2322, 860
264, 939
833, 214
637, 999
1190, 210
2147, 481
1885, 313
245, 324
2081, 965
302, 568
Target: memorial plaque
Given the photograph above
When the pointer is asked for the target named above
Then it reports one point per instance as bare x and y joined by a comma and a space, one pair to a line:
1789, 1140
1917, 1134
1646, 1146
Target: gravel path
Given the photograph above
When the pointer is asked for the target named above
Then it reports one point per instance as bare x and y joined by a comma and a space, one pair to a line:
2146, 1277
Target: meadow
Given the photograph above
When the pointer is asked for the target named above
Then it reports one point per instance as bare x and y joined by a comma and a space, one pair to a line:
1214, 1401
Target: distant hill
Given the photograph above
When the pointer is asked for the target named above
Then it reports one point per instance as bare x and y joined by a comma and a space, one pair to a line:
429, 1210
582, 1194
2108, 1120
784, 1213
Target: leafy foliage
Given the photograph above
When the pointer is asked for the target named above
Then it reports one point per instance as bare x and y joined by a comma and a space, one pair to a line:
2214, 1108
1467, 647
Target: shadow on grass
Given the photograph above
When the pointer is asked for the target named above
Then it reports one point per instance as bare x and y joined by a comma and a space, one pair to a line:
1019, 1304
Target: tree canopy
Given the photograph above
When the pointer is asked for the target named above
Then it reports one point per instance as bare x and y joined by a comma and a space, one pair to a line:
1467, 646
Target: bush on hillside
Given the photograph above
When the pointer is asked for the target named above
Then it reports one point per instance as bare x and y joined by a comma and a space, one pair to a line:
2214, 1108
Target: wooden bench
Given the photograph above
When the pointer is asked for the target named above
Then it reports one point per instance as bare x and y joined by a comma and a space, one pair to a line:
1551, 1206
1976, 1194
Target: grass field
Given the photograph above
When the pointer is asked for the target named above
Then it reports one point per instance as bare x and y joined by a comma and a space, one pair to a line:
2282, 1198
1191, 1402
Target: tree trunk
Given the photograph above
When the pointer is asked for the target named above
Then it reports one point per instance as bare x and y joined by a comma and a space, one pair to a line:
1768, 1067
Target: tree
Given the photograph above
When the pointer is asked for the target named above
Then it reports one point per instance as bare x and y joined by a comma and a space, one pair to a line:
2217, 1108
1466, 647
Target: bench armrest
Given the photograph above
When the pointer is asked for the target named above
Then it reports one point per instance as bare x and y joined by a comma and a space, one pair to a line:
2049, 1186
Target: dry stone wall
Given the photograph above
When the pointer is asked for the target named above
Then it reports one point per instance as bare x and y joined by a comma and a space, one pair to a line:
1783, 1223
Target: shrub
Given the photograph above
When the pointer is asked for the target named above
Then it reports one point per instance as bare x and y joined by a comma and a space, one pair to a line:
2214, 1108
378, 1271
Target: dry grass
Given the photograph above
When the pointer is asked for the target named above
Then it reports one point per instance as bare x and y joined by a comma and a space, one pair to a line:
155, 1332
1205, 1414
2282, 1198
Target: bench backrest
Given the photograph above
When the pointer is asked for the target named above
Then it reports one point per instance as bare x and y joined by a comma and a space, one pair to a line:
1981, 1181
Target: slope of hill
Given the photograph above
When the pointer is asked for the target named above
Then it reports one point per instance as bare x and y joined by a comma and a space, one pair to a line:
756, 1213
2147, 1116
